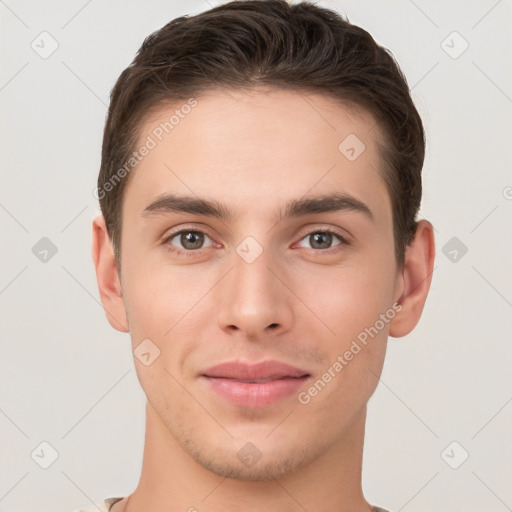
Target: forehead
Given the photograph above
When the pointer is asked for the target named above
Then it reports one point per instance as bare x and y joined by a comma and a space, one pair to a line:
258, 148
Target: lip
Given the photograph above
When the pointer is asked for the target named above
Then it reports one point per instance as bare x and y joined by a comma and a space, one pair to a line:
230, 381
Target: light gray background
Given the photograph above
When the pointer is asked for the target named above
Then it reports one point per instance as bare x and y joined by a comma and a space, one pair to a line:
68, 379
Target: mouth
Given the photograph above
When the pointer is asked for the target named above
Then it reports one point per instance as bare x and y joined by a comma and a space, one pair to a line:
256, 381
262, 371
256, 385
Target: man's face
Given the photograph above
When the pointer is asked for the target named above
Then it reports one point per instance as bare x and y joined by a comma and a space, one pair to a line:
266, 283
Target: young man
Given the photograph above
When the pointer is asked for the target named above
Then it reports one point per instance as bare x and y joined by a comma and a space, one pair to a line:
260, 181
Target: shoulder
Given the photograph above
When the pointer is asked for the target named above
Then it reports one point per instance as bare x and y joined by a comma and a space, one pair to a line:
104, 506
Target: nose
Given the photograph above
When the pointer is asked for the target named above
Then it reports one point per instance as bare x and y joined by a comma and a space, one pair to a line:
253, 301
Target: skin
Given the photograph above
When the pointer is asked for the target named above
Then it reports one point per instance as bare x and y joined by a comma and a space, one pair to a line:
254, 152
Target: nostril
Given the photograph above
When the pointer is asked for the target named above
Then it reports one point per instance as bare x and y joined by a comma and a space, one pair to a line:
273, 326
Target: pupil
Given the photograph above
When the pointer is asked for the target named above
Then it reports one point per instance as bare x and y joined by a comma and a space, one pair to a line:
192, 240
321, 240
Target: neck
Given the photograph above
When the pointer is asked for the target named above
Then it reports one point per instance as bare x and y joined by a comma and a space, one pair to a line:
171, 480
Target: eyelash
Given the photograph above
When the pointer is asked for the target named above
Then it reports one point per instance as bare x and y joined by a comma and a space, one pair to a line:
188, 252
343, 240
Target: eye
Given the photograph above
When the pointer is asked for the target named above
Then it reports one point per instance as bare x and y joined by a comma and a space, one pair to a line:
190, 240
321, 240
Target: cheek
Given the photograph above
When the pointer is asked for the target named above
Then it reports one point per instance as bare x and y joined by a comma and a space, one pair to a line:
353, 312
354, 354
345, 300
158, 296
166, 305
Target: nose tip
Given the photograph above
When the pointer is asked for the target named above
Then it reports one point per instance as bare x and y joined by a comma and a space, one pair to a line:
253, 301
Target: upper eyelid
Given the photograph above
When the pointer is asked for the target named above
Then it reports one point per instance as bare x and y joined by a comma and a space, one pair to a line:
172, 233
321, 229
328, 229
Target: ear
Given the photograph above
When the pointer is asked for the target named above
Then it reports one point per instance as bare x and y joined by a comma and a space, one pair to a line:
415, 280
107, 276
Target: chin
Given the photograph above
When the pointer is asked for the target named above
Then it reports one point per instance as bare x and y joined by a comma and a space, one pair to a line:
249, 463
266, 469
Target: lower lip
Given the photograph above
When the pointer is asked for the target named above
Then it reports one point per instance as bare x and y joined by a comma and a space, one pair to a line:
256, 394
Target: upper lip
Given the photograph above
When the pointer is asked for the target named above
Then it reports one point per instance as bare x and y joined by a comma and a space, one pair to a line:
262, 370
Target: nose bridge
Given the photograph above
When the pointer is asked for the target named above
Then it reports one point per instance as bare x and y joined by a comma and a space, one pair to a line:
254, 274
252, 299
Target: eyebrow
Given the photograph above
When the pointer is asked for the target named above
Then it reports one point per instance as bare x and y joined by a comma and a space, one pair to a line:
334, 202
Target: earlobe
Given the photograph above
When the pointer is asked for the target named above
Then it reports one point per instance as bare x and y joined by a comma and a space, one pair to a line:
416, 279
107, 276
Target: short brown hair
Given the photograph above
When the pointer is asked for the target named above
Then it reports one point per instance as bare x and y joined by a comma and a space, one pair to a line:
250, 43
